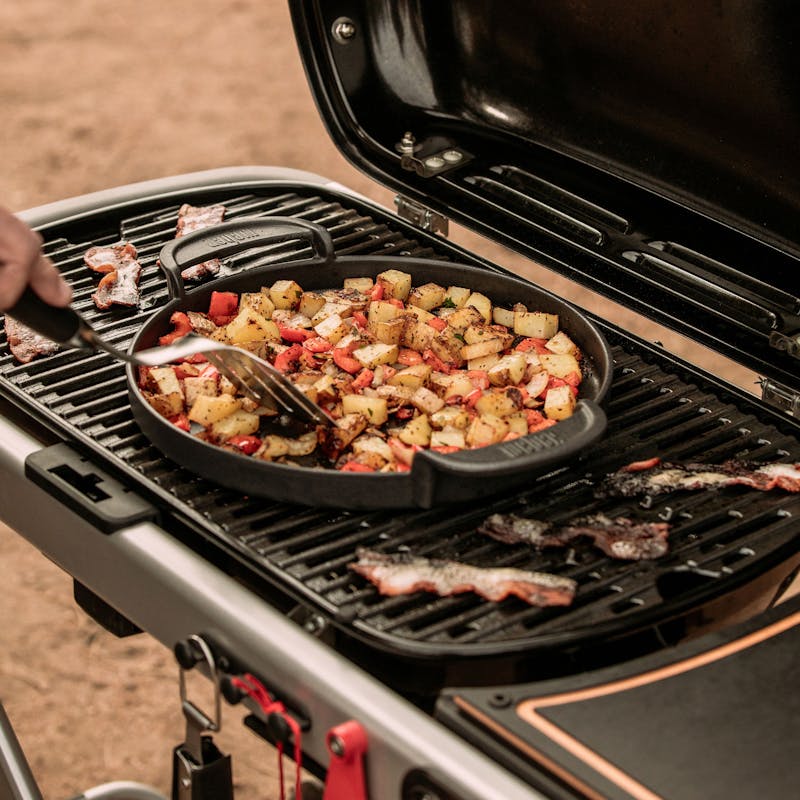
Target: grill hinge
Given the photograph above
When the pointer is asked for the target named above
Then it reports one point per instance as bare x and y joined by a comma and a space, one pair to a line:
780, 396
421, 216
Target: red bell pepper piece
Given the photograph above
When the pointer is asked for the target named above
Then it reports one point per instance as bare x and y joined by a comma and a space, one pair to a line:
438, 323
223, 305
408, 357
247, 444
545, 423
287, 360
181, 325
295, 334
396, 302
209, 371
376, 293
180, 421
446, 448
479, 378
404, 413
538, 345
345, 361
360, 319
432, 360
388, 372
364, 379
472, 398
317, 344
354, 466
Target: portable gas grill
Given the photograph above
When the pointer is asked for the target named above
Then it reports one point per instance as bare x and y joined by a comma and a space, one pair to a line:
572, 163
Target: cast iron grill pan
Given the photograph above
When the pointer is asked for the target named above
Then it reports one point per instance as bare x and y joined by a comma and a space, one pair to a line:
656, 405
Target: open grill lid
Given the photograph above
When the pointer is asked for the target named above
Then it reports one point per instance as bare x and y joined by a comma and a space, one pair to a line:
647, 153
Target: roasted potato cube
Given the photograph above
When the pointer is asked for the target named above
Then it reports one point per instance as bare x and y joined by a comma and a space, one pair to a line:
373, 409
239, 423
450, 417
272, 447
535, 324
310, 303
447, 345
537, 384
285, 294
374, 354
482, 303
426, 401
503, 316
168, 405
427, 296
500, 403
462, 318
303, 445
416, 431
372, 444
561, 343
457, 385
560, 364
414, 376
559, 402
484, 363
420, 314
201, 323
249, 326
340, 308
383, 311
396, 284
457, 295
259, 301
390, 332
482, 348
448, 437
362, 285
195, 386
207, 409
508, 370
517, 423
485, 430
417, 335
326, 389
163, 380
332, 328
336, 438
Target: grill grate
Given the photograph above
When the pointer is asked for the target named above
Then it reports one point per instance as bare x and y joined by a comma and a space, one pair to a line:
655, 407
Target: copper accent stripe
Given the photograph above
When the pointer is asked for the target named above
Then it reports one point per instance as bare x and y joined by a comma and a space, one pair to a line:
528, 710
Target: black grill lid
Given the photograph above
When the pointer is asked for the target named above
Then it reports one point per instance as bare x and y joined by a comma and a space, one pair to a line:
647, 151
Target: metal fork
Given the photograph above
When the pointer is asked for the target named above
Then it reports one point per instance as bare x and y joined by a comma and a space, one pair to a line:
253, 376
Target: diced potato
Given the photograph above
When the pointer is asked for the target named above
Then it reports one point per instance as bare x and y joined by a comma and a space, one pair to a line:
535, 324
517, 423
390, 332
450, 417
457, 385
303, 445
416, 431
310, 303
326, 390
426, 401
383, 311
250, 326
285, 294
560, 364
340, 308
168, 405
483, 348
417, 335
414, 376
447, 345
374, 409
202, 324
503, 316
484, 363
272, 447
462, 318
485, 430
372, 444
561, 343
479, 333
499, 404
427, 296
374, 354
559, 402
537, 384
239, 423
336, 438
227, 386
457, 295
448, 437
508, 370
397, 395
532, 365
258, 301
332, 328
207, 410
362, 285
163, 380
195, 386
482, 303
420, 314
396, 284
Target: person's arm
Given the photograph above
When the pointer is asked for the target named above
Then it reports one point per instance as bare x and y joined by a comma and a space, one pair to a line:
22, 263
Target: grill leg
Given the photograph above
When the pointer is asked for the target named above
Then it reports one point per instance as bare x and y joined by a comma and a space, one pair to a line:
16, 779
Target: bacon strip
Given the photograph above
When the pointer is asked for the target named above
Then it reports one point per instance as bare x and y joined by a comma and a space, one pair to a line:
403, 573
195, 218
26, 344
121, 271
654, 477
620, 537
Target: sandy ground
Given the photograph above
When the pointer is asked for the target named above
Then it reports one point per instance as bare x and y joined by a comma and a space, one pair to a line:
93, 95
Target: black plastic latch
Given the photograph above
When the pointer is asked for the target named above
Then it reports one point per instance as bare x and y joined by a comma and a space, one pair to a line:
84, 488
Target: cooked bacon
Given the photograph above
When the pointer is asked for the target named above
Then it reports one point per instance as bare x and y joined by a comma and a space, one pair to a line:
195, 218
620, 537
654, 477
26, 344
403, 573
121, 271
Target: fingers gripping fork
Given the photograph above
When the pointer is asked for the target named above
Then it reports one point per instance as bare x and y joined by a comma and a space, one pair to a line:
199, 770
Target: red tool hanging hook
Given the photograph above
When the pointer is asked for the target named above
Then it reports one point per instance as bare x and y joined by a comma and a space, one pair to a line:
347, 744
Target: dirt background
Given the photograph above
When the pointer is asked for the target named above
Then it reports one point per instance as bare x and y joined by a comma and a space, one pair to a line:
94, 95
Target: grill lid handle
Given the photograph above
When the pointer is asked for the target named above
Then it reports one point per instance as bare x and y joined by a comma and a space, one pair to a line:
230, 238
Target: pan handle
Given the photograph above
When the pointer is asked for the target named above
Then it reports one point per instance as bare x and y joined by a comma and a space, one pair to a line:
550, 447
229, 238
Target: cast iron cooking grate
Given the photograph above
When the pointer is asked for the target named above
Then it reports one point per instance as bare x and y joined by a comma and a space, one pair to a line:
656, 406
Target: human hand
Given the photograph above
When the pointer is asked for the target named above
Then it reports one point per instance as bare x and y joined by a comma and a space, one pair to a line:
22, 263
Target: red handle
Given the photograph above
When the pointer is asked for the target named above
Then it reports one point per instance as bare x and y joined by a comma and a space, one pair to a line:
347, 744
